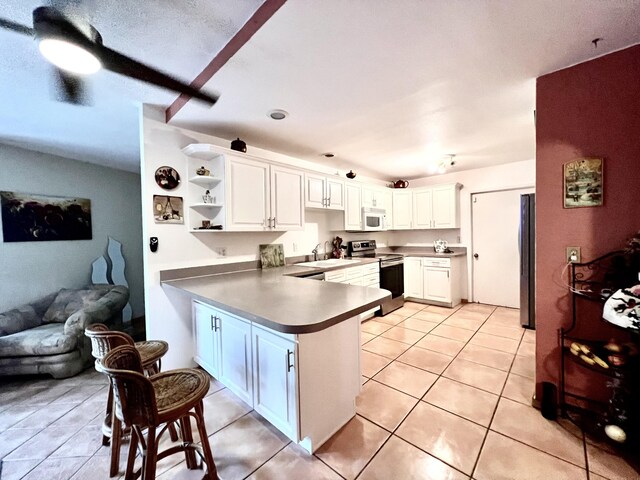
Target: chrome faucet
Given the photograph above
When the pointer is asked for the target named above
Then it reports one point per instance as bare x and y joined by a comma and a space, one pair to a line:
315, 253
327, 251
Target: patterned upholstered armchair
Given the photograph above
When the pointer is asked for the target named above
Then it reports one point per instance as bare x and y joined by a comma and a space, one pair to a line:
47, 336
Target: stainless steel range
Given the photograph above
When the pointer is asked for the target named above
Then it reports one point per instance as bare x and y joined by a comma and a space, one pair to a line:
391, 271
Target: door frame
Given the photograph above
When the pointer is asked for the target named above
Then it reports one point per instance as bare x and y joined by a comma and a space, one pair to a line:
470, 256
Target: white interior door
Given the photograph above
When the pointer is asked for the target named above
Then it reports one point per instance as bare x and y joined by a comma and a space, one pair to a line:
496, 258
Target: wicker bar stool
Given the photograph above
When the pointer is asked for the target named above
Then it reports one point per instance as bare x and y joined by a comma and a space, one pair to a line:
151, 352
149, 402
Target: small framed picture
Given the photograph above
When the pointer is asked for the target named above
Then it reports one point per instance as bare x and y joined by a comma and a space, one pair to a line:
168, 209
583, 186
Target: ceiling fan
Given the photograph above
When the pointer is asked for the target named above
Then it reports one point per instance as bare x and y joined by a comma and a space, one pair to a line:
77, 52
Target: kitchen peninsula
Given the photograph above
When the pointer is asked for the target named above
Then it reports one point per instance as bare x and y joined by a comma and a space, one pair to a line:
289, 347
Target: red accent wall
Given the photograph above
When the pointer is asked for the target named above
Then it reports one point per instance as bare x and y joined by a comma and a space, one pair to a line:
589, 110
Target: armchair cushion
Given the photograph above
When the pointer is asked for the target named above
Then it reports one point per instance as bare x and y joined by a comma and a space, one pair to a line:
48, 339
67, 302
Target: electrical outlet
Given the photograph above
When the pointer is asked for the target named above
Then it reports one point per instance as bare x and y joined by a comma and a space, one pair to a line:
295, 247
573, 254
221, 251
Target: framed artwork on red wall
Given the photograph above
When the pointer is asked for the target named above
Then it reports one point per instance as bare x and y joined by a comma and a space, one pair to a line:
583, 185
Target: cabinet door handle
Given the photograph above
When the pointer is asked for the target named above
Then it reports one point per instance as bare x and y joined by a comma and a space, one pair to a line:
289, 364
213, 325
447, 273
329, 202
274, 222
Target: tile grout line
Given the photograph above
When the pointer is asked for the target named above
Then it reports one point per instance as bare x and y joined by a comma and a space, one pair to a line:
484, 440
515, 439
403, 418
393, 433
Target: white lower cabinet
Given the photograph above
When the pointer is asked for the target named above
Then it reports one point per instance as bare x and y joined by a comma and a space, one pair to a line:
235, 355
437, 284
435, 280
413, 277
274, 380
305, 385
206, 345
223, 348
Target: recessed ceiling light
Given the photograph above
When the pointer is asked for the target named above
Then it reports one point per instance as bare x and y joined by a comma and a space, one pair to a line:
278, 114
328, 155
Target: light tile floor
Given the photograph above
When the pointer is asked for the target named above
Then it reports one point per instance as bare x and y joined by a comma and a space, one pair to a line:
446, 395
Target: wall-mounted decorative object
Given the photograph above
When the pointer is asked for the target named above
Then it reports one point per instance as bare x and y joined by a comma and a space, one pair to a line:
350, 175
167, 178
583, 185
203, 171
168, 209
272, 255
37, 218
239, 145
100, 273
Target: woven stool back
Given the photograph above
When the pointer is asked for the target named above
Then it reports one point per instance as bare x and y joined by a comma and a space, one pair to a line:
104, 340
134, 395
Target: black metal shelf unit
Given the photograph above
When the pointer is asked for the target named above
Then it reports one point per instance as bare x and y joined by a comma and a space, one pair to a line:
595, 281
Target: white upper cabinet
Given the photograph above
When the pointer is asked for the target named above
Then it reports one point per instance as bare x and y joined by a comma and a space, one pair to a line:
446, 206
352, 208
386, 200
402, 209
249, 194
335, 194
315, 191
286, 198
371, 197
323, 192
422, 208
436, 207
263, 197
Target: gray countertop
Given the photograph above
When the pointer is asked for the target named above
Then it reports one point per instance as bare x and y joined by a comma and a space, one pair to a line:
425, 251
276, 299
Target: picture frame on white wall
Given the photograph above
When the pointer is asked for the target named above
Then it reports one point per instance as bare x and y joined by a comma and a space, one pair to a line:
168, 209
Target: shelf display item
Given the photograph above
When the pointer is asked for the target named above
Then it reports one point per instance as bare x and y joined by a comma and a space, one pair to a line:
623, 308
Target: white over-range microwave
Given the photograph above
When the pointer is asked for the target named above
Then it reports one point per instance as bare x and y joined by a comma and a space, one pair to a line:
373, 219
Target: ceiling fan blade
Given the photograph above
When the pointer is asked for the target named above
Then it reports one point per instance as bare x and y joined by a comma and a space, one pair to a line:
119, 63
70, 88
16, 27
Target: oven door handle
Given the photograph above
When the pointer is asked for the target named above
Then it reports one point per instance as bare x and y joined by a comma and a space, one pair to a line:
392, 263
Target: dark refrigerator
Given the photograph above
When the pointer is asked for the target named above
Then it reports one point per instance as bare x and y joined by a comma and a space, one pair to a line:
527, 243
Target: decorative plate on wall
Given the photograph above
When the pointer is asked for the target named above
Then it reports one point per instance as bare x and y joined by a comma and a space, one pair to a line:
167, 178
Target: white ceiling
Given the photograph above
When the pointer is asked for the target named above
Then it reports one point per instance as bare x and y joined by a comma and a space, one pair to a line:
386, 86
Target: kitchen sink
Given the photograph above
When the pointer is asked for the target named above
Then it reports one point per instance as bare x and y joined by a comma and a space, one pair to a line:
331, 262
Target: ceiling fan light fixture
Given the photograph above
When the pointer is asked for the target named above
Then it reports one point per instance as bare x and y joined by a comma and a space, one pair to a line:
69, 56
432, 167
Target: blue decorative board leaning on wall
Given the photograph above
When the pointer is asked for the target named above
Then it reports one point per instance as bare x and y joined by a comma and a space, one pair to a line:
37, 218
